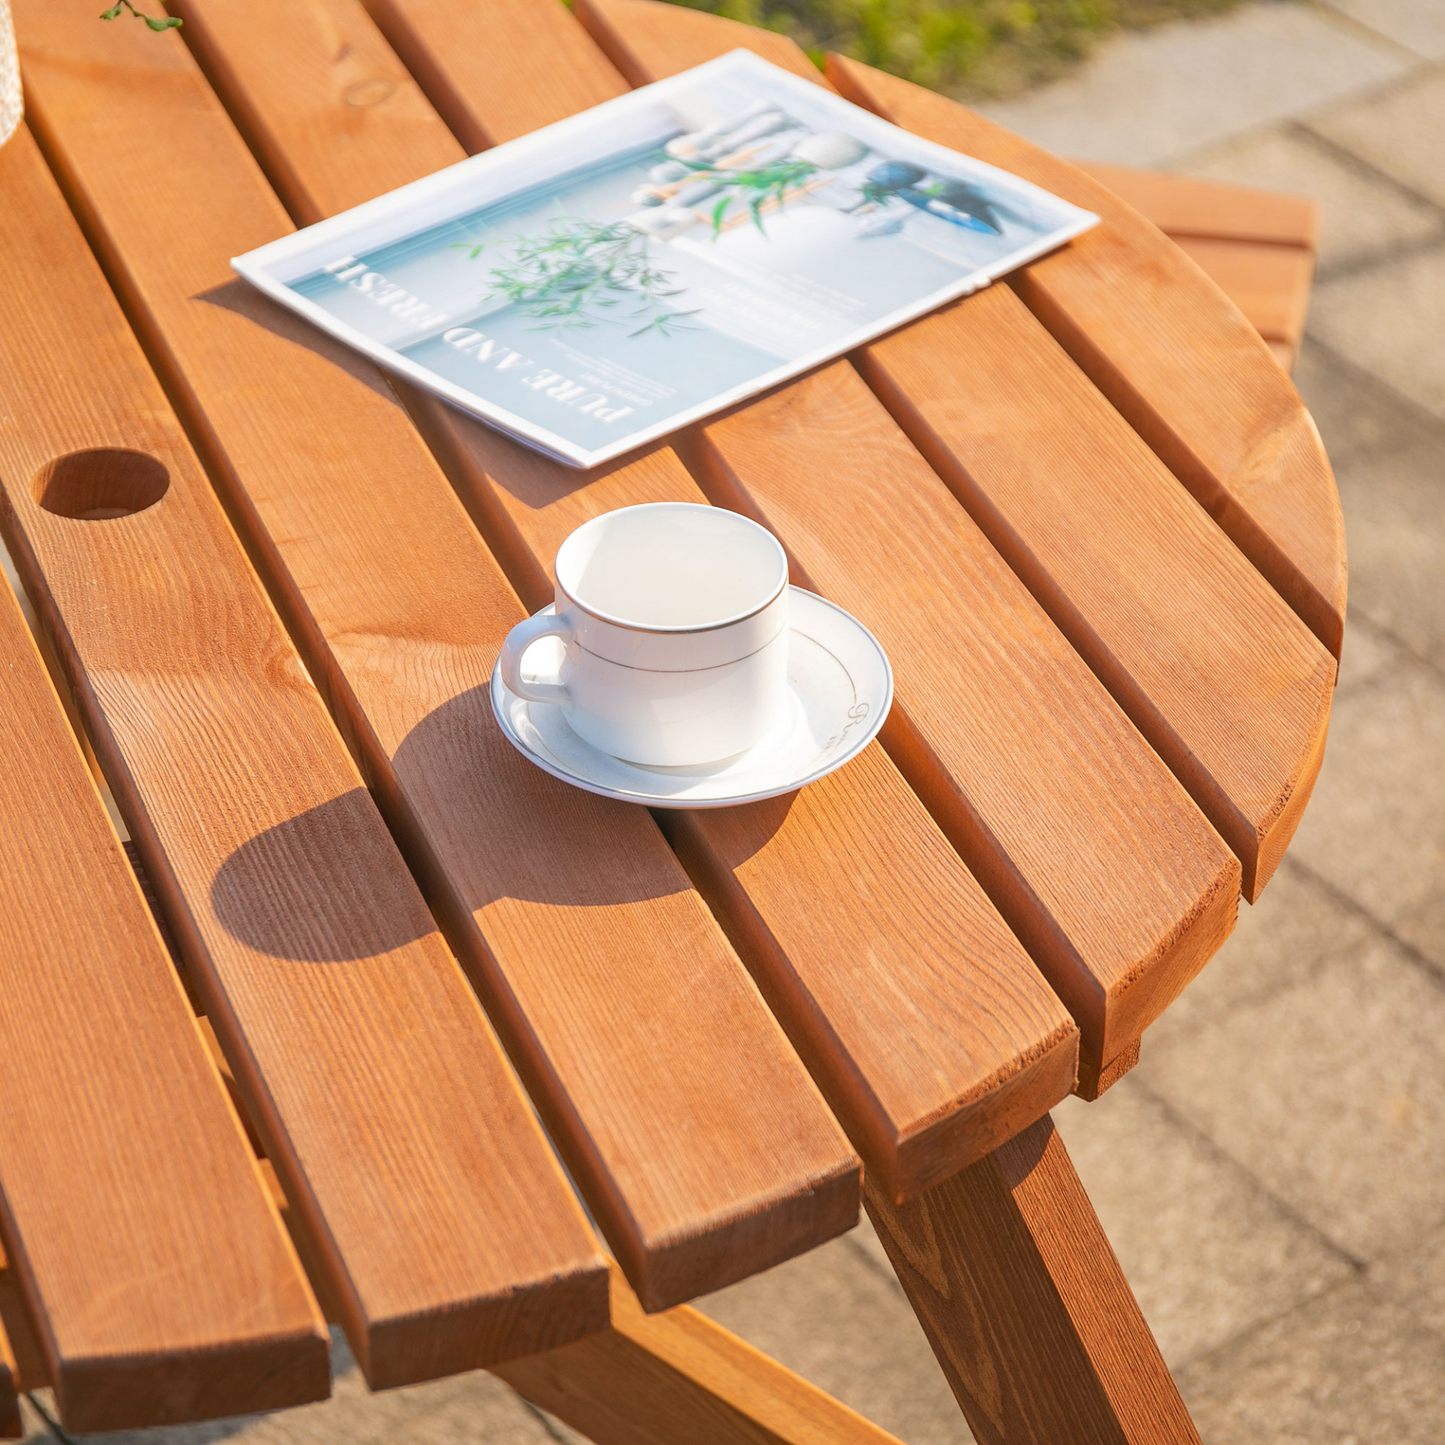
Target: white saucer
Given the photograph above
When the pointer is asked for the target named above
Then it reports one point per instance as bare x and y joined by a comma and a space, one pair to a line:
840, 688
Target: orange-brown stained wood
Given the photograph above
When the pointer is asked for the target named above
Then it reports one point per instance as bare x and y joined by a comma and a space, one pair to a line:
147, 1249
406, 1146
665, 1379
702, 1145
1269, 283
22, 1351
1170, 352
1229, 686
651, 42
1183, 205
1030, 1316
1184, 918
1117, 933
1218, 674
10, 1428
556, 72
921, 1017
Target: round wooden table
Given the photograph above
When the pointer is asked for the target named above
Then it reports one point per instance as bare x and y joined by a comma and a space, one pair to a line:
1085, 512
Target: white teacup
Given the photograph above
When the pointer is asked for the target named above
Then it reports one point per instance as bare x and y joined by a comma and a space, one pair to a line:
674, 624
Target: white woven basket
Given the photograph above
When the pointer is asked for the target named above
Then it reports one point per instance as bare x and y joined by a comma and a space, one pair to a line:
10, 106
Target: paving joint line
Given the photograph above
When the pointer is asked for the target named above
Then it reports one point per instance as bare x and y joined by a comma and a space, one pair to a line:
1352, 160
1399, 254
1434, 971
1421, 414
1257, 1327
1360, 28
1395, 641
1211, 1146
52, 1425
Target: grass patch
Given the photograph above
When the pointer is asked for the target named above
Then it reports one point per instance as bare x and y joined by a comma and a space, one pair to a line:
972, 49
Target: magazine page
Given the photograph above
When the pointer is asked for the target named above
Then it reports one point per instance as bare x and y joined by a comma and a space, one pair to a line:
603, 281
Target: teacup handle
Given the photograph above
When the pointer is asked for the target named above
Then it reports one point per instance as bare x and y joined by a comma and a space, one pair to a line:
514, 649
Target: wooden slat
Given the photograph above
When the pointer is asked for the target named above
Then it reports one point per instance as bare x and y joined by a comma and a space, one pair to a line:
1230, 687
1132, 933
675, 1377
405, 1144
1211, 666
1026, 1307
557, 72
702, 1145
1270, 284
1118, 962
10, 1428
147, 1249
26, 1363
1217, 210
921, 1017
1171, 354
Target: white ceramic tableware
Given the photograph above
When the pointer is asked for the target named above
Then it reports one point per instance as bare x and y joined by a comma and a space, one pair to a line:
673, 624
839, 690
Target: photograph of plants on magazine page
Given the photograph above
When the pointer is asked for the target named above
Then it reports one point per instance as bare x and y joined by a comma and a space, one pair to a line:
603, 281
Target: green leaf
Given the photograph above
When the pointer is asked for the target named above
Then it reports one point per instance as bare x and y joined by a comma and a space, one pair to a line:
169, 24
718, 212
111, 13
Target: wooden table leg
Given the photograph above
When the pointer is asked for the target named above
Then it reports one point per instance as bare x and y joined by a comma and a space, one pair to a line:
9, 1384
1040, 1337
9, 1401
675, 1377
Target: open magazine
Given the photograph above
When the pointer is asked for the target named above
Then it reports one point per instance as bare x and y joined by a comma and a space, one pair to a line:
603, 281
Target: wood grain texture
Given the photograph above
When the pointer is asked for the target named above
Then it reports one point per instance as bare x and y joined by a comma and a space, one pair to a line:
25, 1360
1269, 283
1226, 684
997, 723
835, 897
652, 31
1172, 355
1026, 1307
674, 1377
445, 45
10, 1428
146, 1247
1117, 935
1257, 246
406, 1146
1184, 205
702, 1145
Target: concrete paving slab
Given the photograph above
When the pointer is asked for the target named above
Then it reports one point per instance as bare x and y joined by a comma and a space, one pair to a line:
1375, 828
1207, 1252
1389, 320
1418, 25
1351, 1367
838, 1319
1328, 1094
1416, 1277
1359, 416
1400, 130
1369, 653
1151, 95
1395, 523
1279, 943
1362, 216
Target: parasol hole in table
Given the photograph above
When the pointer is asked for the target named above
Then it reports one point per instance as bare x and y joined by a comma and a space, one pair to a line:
101, 483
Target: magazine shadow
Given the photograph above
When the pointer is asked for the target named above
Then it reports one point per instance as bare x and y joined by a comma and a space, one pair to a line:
243, 299
325, 886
